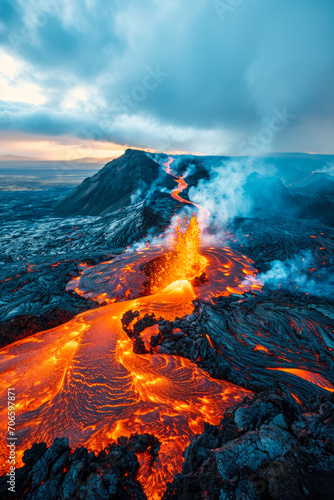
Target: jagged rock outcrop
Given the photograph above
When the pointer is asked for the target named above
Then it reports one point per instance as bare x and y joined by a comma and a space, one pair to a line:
264, 448
58, 472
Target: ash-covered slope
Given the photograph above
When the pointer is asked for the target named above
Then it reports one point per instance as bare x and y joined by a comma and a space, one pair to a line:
111, 188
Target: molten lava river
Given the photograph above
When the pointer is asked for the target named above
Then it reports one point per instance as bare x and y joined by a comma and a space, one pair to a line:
82, 380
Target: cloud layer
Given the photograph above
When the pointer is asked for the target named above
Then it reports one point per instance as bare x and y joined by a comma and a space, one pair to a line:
202, 76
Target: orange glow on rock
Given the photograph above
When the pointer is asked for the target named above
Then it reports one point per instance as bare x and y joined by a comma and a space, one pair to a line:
313, 378
83, 380
181, 186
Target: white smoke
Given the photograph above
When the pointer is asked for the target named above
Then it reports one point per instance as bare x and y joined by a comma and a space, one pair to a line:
327, 169
299, 274
145, 191
164, 240
224, 194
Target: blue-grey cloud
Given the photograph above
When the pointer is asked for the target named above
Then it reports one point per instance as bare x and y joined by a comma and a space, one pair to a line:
200, 75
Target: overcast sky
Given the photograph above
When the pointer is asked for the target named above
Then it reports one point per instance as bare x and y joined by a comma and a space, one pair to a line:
89, 77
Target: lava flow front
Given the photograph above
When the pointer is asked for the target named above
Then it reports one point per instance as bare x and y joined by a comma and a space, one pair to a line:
82, 380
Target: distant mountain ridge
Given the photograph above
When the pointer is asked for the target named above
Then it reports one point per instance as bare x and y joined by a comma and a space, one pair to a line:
17, 158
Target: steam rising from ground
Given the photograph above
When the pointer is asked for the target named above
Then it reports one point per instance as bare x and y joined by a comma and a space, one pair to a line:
226, 194
298, 274
327, 169
145, 191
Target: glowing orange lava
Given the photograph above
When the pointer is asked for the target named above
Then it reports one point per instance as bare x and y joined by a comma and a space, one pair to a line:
313, 378
82, 380
227, 271
181, 186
